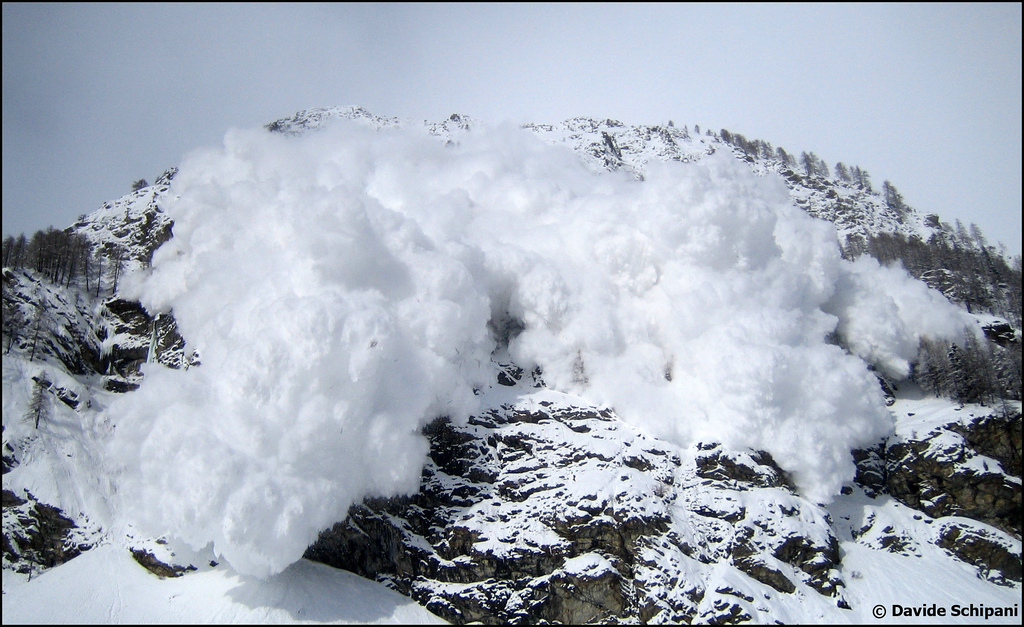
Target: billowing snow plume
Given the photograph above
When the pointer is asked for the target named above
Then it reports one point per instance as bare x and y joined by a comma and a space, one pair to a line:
344, 287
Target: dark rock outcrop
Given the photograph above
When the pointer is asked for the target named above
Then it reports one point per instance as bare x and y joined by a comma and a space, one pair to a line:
550, 512
147, 560
962, 470
998, 436
996, 560
37, 536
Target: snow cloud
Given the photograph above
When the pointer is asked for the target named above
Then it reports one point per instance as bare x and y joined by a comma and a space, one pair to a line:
346, 286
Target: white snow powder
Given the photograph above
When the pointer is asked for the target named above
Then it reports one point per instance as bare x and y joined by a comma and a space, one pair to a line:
340, 284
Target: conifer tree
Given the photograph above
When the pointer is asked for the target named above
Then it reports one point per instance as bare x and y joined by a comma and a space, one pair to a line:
892, 197
39, 405
864, 180
822, 169
39, 325
782, 155
807, 163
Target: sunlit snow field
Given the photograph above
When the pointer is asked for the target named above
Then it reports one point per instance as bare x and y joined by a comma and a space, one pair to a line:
105, 585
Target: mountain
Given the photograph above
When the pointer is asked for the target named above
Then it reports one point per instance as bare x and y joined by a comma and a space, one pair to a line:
612, 145
619, 374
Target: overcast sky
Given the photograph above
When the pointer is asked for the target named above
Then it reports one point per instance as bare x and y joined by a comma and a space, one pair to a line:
927, 96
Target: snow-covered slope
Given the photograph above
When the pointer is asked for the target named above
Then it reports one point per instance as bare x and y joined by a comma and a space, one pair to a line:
105, 585
607, 144
547, 508
548, 391
131, 227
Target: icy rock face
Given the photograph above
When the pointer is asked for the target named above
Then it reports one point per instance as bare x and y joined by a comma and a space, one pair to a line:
37, 536
141, 334
68, 327
91, 331
133, 226
972, 471
956, 474
109, 338
548, 509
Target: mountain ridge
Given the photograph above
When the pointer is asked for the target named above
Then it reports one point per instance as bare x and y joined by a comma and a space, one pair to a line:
609, 144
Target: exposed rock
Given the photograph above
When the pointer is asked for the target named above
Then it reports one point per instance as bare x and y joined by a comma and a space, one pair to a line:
37, 536
884, 536
112, 339
997, 436
725, 613
968, 469
139, 337
994, 556
149, 561
934, 476
871, 471
547, 511
1000, 332
756, 470
130, 229
509, 375
115, 384
10, 459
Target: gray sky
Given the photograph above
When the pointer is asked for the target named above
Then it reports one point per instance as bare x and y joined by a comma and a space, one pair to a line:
927, 96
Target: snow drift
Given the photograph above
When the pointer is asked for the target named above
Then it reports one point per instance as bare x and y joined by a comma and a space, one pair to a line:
346, 286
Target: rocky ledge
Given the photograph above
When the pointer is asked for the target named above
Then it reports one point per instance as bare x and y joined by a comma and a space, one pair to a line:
546, 510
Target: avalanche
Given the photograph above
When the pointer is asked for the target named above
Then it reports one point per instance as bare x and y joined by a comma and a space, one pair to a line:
346, 286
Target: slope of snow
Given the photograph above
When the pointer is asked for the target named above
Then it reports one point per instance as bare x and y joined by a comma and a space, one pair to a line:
133, 224
105, 585
613, 145
878, 577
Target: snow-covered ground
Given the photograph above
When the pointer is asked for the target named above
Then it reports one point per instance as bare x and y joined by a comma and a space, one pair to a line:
105, 585
878, 578
922, 574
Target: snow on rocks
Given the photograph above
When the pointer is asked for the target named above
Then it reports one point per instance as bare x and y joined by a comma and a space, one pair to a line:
957, 461
547, 508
